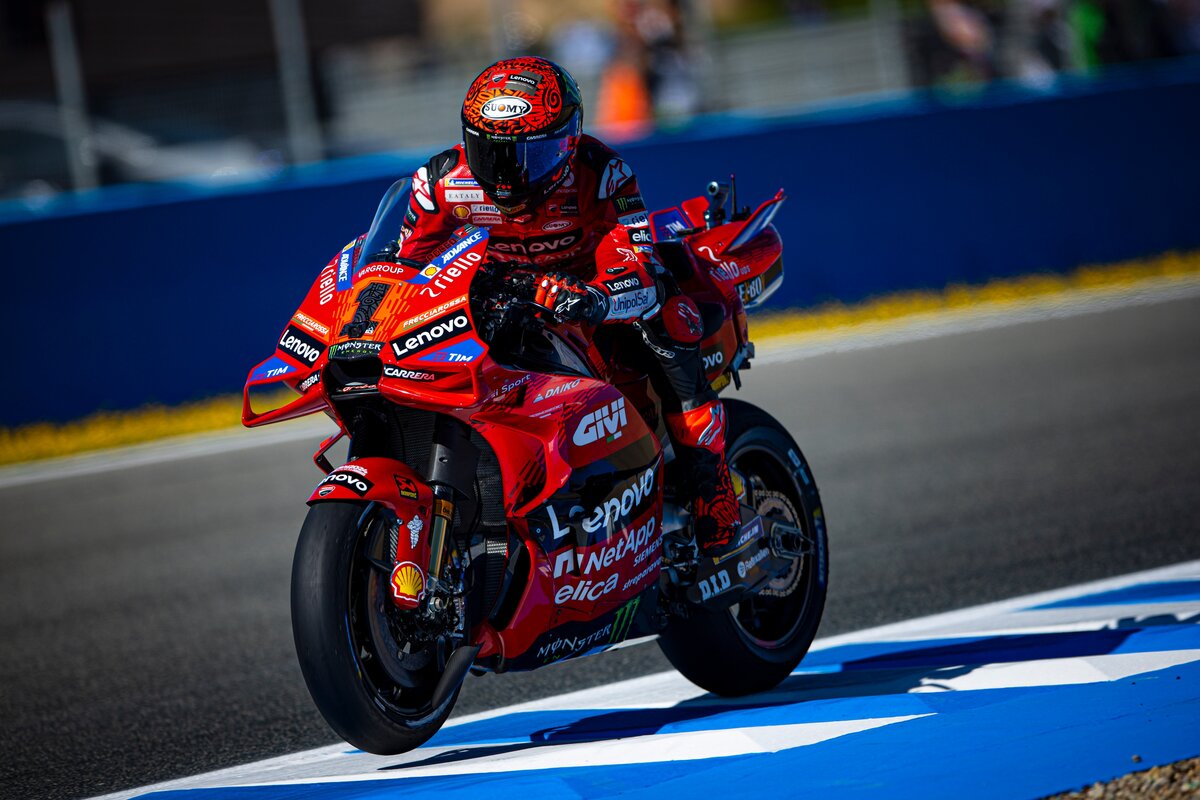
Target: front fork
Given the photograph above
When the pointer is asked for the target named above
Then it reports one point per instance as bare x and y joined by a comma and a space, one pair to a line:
453, 461
450, 475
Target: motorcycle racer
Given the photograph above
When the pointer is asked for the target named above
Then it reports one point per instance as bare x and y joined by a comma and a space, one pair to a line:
568, 206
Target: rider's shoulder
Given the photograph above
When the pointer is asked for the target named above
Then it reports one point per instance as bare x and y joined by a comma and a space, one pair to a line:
595, 154
430, 181
444, 163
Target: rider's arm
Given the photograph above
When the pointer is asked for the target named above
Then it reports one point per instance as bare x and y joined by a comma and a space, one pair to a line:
623, 290
426, 224
627, 264
624, 287
625, 279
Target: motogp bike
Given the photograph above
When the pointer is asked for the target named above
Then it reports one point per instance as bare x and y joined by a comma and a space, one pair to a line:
508, 499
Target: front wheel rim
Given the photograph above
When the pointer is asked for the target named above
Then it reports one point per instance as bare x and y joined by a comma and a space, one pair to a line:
370, 633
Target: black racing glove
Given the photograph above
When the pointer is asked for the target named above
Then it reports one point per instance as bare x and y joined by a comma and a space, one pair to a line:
570, 299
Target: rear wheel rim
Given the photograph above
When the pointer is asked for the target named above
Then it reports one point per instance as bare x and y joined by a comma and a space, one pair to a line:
773, 622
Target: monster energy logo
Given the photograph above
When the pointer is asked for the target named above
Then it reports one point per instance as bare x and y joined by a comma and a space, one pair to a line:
624, 621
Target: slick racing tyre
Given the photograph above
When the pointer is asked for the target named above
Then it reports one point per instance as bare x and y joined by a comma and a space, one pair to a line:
756, 644
371, 683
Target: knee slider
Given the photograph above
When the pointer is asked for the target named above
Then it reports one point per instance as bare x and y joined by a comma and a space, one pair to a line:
681, 319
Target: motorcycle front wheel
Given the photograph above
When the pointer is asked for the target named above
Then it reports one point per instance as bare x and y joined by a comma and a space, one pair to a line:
371, 682
753, 646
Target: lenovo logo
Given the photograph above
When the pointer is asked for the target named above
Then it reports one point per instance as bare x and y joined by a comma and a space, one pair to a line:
536, 245
428, 335
299, 344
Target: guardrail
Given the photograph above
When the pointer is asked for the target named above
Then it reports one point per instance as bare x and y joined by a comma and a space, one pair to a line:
164, 294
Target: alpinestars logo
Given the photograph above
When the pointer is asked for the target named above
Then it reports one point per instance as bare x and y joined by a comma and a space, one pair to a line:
616, 174
605, 423
428, 335
420, 190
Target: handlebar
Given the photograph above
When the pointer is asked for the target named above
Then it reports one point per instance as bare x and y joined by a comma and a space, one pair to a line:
506, 297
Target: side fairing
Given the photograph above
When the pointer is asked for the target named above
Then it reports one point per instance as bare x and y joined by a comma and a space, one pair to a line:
593, 530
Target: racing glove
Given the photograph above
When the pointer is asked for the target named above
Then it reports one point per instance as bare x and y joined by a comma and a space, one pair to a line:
570, 299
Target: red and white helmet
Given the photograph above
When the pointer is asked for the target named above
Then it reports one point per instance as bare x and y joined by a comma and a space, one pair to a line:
522, 118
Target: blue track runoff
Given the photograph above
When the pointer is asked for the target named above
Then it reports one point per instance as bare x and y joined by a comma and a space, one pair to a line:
1014, 700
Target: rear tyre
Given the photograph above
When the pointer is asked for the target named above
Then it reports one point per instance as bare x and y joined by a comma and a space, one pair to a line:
372, 685
754, 645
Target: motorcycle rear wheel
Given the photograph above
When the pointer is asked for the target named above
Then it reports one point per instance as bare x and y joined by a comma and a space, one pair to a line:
753, 646
374, 690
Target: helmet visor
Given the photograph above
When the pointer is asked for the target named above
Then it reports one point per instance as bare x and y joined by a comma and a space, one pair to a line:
514, 169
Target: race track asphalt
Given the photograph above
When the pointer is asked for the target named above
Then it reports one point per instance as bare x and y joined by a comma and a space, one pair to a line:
144, 610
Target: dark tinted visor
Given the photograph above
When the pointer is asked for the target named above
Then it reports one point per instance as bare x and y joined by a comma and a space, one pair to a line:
514, 166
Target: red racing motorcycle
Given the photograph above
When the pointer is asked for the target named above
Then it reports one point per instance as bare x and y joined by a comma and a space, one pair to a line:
508, 497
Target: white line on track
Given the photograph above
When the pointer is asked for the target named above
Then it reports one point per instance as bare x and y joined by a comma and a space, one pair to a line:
777, 349
980, 317
164, 450
666, 689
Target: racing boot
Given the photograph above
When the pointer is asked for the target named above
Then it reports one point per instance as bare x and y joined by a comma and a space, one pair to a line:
716, 514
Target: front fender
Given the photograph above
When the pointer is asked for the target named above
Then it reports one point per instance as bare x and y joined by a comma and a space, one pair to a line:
395, 485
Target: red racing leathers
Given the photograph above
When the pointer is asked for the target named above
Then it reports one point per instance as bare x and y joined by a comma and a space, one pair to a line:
592, 234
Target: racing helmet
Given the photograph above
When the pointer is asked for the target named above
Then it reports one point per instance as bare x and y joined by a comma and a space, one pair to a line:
522, 118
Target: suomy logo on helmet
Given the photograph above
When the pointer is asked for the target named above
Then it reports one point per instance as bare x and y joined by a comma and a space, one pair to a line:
505, 107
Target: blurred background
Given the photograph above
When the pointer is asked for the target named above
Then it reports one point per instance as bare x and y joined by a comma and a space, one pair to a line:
96, 92
174, 175
154, 156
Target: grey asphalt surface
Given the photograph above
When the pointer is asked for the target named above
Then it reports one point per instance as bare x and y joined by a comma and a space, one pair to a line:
144, 611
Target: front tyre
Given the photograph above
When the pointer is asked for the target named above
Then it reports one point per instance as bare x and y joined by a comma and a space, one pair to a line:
754, 645
372, 684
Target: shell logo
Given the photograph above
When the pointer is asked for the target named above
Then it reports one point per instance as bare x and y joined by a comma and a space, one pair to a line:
408, 584
462, 212
429, 271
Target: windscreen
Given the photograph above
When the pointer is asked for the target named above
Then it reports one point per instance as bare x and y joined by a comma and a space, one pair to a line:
384, 235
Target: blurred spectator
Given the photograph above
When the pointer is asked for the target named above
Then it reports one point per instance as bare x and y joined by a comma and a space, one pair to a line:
668, 73
1088, 27
1185, 16
583, 44
1121, 31
953, 42
1051, 37
650, 75
624, 109
1045, 48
